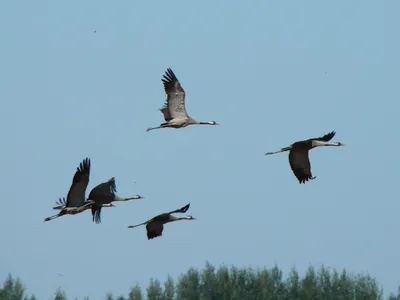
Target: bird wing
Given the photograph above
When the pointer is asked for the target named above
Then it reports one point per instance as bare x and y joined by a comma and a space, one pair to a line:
327, 137
300, 164
76, 193
174, 107
154, 229
180, 210
103, 193
96, 214
165, 112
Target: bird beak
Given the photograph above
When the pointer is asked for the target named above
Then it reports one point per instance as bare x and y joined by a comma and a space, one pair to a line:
217, 123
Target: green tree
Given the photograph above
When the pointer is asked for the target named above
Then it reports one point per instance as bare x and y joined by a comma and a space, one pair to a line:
135, 293
366, 287
309, 285
60, 294
188, 287
169, 289
395, 297
154, 290
293, 287
345, 287
222, 284
208, 283
109, 296
324, 284
13, 289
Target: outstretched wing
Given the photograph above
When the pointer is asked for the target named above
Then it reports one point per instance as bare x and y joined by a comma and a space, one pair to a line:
103, 193
327, 137
76, 193
154, 229
300, 164
96, 214
175, 102
180, 210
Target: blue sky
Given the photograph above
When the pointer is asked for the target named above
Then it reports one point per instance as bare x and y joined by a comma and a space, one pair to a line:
271, 72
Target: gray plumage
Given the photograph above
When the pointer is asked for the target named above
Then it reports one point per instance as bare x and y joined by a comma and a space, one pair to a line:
174, 109
298, 155
75, 202
155, 226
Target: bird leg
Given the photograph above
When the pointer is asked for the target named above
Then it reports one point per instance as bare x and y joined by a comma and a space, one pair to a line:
133, 226
282, 150
53, 217
163, 125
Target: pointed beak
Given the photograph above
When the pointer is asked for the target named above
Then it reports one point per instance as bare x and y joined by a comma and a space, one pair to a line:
217, 123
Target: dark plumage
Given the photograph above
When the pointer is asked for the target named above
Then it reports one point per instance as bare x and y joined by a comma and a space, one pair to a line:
298, 155
103, 195
155, 226
75, 202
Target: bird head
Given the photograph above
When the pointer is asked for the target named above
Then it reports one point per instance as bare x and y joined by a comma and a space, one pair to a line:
213, 123
137, 197
189, 218
339, 144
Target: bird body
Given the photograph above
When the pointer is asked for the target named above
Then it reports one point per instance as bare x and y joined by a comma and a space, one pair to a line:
298, 156
155, 226
174, 110
104, 194
75, 202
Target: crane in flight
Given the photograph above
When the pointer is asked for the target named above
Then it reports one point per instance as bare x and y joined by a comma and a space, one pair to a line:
104, 194
174, 109
75, 202
298, 155
155, 226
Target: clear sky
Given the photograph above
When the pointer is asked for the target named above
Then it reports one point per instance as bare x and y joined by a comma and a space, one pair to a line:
271, 72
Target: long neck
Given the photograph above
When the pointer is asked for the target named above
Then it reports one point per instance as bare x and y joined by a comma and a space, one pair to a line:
118, 198
173, 219
204, 123
320, 143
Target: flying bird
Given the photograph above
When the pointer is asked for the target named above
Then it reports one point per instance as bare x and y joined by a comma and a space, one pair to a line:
104, 194
75, 202
298, 155
155, 226
174, 109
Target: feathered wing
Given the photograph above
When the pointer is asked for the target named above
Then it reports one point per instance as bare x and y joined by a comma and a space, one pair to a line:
103, 193
76, 193
96, 214
180, 210
174, 108
300, 164
154, 229
327, 137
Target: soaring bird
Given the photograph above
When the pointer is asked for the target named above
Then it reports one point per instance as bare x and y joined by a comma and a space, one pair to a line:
174, 110
105, 194
298, 155
75, 202
155, 225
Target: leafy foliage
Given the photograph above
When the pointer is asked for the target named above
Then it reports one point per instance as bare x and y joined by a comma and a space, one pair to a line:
225, 283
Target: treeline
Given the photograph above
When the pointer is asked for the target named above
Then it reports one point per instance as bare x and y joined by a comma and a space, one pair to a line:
233, 283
